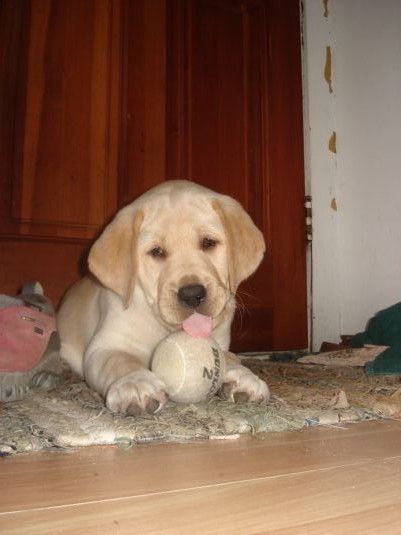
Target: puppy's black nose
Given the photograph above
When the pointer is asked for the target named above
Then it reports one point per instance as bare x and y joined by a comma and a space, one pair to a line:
192, 295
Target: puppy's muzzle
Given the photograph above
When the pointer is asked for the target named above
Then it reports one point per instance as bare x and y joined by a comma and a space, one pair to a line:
192, 295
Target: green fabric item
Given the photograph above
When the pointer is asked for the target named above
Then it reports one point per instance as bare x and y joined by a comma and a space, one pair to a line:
383, 329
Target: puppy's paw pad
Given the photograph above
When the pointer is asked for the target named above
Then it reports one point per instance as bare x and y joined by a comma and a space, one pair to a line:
241, 397
136, 394
241, 385
226, 391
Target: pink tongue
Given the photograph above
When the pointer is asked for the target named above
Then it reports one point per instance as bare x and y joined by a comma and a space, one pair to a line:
198, 325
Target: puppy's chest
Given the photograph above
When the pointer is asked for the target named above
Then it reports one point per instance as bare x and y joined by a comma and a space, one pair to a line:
134, 333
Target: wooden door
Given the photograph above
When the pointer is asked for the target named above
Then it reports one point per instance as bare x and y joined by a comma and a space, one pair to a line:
104, 98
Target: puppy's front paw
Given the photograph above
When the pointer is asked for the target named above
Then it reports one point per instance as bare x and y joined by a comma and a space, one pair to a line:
137, 393
240, 384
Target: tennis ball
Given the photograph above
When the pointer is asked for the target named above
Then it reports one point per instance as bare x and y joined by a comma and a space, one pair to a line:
191, 368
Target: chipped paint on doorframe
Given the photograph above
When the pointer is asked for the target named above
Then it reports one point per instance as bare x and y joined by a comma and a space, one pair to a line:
326, 8
327, 69
333, 143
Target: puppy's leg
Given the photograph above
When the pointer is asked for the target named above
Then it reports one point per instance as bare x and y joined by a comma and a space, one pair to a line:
240, 384
127, 386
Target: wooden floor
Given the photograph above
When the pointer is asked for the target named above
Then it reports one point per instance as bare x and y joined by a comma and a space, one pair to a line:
320, 480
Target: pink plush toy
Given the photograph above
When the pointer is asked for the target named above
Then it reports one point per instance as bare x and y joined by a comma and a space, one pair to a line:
190, 362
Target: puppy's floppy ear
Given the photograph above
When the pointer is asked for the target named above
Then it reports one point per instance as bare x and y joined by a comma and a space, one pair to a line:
113, 258
246, 244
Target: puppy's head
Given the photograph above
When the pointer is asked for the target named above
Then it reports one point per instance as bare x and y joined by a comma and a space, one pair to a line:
185, 247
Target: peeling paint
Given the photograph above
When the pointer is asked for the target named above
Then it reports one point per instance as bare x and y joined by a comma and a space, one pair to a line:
333, 143
327, 68
326, 8
333, 204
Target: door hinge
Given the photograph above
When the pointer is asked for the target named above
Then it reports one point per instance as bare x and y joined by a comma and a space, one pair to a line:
308, 217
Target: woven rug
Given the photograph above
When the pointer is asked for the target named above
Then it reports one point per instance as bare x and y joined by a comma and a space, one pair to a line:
302, 395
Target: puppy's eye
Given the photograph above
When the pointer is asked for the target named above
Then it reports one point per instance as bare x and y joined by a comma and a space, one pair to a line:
208, 243
157, 252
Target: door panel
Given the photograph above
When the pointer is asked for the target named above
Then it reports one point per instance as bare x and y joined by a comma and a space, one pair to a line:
286, 170
143, 156
235, 125
64, 182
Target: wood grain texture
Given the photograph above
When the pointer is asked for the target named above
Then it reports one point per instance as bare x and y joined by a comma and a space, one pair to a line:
318, 480
143, 156
55, 264
228, 128
12, 19
65, 184
60, 120
286, 169
318, 502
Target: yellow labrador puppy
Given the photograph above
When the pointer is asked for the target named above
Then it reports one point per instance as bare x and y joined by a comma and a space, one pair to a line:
177, 249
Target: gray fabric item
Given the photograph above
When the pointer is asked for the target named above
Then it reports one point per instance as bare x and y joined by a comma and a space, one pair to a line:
7, 301
31, 295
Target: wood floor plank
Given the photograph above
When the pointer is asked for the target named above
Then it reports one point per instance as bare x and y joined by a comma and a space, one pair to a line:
317, 501
93, 474
384, 520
